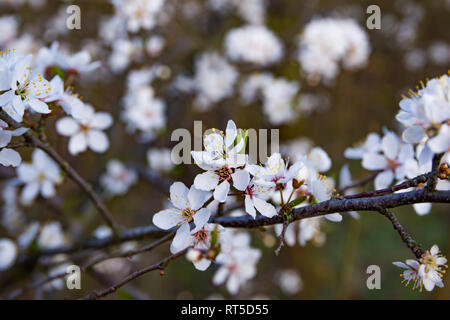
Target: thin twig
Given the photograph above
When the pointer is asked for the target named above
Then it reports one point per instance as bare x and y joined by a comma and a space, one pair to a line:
358, 183
314, 210
67, 168
415, 247
401, 186
127, 254
161, 265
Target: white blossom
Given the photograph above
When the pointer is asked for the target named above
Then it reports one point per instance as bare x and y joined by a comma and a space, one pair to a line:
118, 178
254, 44
221, 161
8, 254
86, 130
187, 207
40, 177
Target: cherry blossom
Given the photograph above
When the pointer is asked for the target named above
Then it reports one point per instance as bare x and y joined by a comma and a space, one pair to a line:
8, 254
187, 207
39, 177
222, 161
390, 162
86, 130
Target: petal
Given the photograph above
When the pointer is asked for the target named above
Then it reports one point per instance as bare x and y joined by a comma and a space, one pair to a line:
179, 195
434, 250
29, 192
221, 191
233, 284
9, 157
27, 172
202, 265
47, 189
220, 275
374, 161
39, 106
67, 126
101, 121
335, 217
206, 181
390, 144
230, 133
384, 179
249, 207
98, 141
400, 265
413, 134
78, 143
241, 179
201, 218
422, 208
167, 219
214, 144
265, 208
406, 153
197, 198
180, 241
441, 143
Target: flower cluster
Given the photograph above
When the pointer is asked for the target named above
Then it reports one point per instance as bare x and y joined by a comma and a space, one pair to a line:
426, 272
226, 166
327, 41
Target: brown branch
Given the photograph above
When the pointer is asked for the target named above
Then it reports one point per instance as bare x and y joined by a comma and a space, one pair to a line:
67, 168
314, 210
434, 174
127, 254
401, 186
415, 247
161, 265
358, 183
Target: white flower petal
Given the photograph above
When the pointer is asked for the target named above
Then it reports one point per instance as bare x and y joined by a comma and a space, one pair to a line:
221, 191
249, 207
78, 143
201, 218
384, 179
67, 126
241, 179
265, 208
374, 161
167, 219
98, 141
179, 195
9, 157
206, 181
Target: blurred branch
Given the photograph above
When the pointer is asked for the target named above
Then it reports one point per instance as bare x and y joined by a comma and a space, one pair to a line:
127, 254
358, 183
67, 168
161, 265
401, 186
162, 184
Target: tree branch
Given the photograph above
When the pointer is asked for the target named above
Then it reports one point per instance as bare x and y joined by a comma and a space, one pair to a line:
406, 238
67, 168
319, 209
161, 265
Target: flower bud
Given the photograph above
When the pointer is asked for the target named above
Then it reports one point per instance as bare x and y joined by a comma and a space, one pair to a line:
193, 255
297, 184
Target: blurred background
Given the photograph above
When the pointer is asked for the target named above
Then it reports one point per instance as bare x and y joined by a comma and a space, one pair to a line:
413, 44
